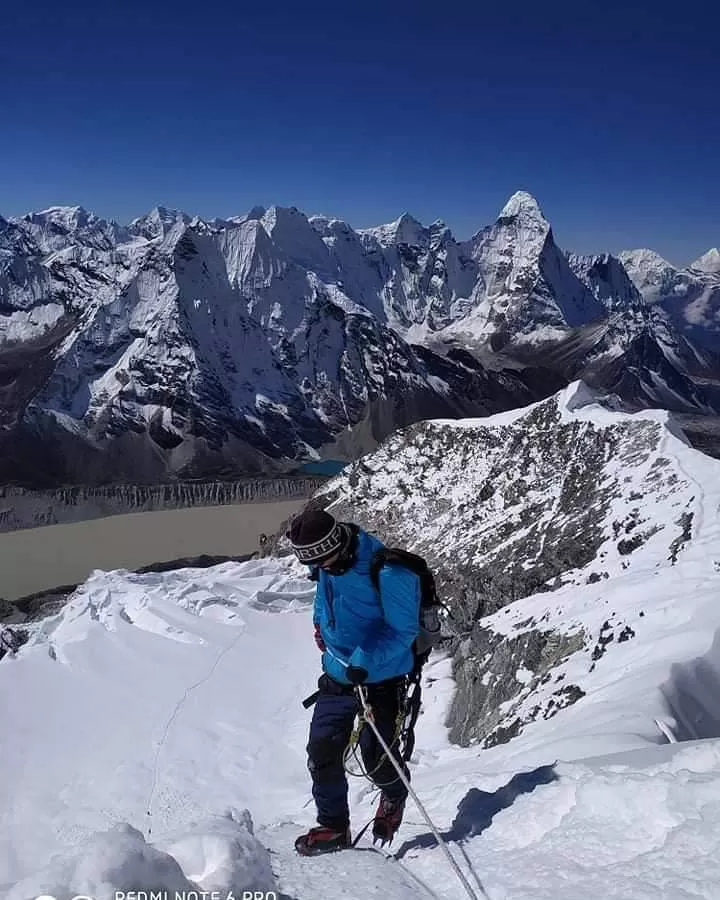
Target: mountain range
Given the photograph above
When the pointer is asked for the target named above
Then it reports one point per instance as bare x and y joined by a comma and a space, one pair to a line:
181, 348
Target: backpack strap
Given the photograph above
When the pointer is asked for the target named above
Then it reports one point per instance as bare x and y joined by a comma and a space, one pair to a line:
376, 563
411, 561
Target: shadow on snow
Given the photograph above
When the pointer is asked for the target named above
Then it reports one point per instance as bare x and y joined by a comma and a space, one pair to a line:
477, 808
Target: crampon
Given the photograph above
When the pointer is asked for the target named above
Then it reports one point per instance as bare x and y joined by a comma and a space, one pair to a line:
322, 840
387, 820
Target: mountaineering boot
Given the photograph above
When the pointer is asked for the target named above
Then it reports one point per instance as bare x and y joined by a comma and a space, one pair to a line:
387, 819
322, 839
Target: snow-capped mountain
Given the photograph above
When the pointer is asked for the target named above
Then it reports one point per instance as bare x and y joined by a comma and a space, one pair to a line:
509, 283
608, 281
708, 263
59, 226
158, 736
690, 296
192, 349
526, 291
636, 351
175, 347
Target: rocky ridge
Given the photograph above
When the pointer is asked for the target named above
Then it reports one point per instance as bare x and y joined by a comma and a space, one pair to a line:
525, 506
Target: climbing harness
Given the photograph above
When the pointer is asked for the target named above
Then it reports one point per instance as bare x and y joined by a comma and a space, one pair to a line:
404, 733
399, 736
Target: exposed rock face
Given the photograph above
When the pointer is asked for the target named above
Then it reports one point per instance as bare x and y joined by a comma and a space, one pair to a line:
567, 492
525, 502
486, 670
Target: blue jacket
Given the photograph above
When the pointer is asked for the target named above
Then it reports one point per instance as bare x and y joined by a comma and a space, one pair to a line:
362, 627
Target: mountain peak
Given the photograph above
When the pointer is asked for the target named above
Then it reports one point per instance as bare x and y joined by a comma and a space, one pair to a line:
709, 262
282, 217
644, 260
163, 214
404, 230
158, 222
408, 230
160, 215
257, 212
294, 235
405, 219
67, 217
58, 227
522, 205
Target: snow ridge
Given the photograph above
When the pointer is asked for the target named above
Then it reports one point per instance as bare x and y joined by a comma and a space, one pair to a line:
539, 502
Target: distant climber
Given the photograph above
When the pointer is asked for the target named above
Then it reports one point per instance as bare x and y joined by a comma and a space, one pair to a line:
366, 636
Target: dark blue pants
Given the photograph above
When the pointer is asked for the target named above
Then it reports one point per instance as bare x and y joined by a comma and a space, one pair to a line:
330, 730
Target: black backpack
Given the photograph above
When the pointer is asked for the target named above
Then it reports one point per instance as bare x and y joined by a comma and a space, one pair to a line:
430, 604
428, 635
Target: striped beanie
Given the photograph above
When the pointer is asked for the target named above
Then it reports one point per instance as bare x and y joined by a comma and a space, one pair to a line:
315, 536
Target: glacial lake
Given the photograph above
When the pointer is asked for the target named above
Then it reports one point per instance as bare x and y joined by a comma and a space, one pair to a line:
37, 559
326, 467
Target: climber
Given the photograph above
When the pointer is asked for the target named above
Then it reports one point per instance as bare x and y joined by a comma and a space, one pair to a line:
366, 637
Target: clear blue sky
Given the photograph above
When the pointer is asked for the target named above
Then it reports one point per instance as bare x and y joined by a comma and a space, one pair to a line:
365, 110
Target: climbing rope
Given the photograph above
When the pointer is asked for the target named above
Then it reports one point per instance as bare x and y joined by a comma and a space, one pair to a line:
368, 716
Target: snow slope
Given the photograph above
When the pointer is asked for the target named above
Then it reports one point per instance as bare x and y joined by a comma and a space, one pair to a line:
168, 704
180, 694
